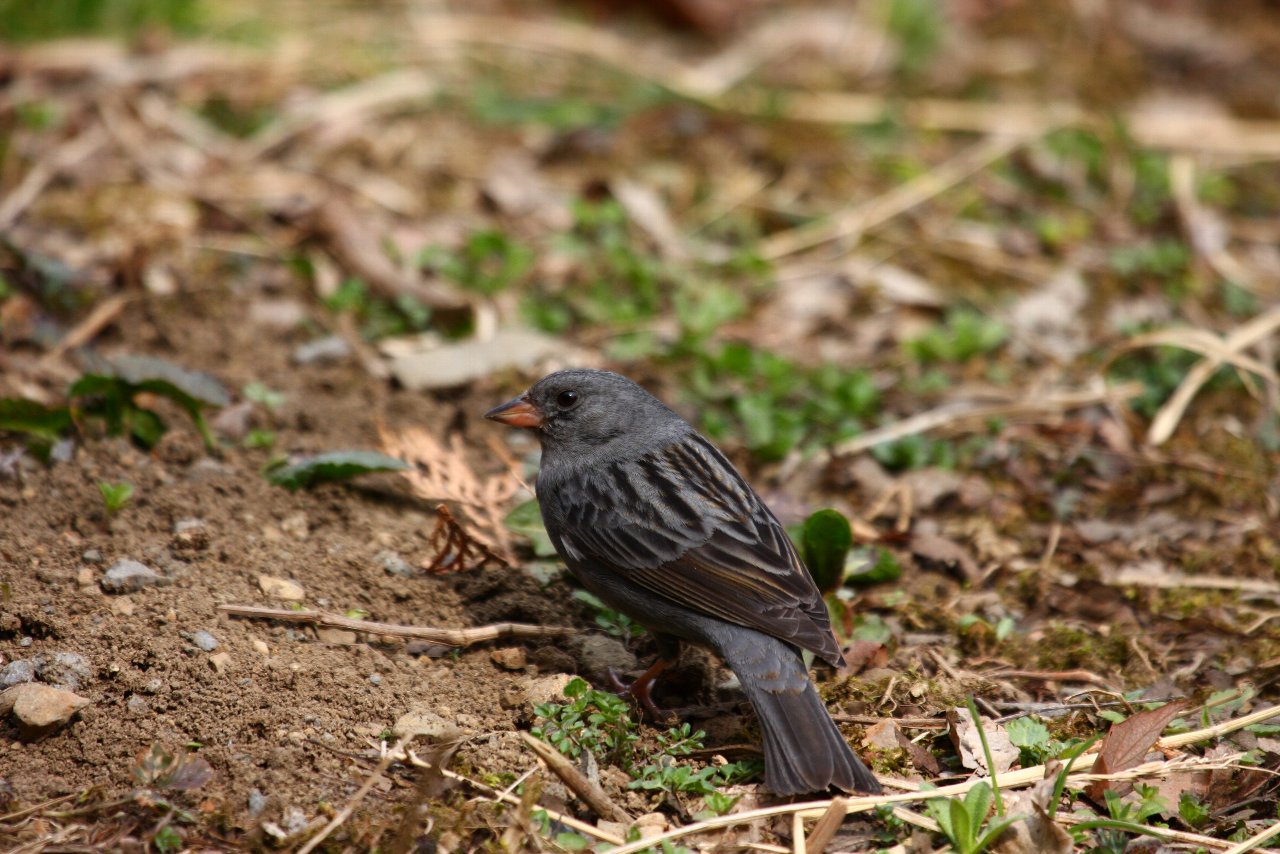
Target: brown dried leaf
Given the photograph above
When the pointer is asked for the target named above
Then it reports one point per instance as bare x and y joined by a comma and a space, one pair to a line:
439, 473
1036, 832
968, 743
862, 654
1126, 744
924, 761
933, 548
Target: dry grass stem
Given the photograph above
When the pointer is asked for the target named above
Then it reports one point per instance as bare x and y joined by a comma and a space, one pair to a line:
1053, 403
825, 830
1197, 133
449, 637
1252, 843
1217, 351
1008, 780
852, 223
349, 807
506, 797
61, 158
1138, 576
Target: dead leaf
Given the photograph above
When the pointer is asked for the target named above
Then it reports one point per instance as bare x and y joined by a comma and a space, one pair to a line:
861, 654
1126, 745
439, 473
454, 549
950, 555
1047, 320
924, 761
1036, 832
968, 743
882, 736
420, 363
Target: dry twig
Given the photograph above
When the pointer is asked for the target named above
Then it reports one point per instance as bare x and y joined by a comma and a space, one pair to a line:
590, 793
450, 637
1053, 403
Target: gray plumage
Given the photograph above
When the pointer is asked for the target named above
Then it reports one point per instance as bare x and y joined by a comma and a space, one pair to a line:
653, 519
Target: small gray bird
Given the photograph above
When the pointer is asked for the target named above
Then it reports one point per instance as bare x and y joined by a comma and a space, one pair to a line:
651, 518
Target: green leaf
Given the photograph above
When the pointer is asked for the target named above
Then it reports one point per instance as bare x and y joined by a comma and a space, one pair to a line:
961, 826
19, 415
825, 541
526, 520
115, 495
333, 466
1027, 732
977, 802
885, 569
186, 388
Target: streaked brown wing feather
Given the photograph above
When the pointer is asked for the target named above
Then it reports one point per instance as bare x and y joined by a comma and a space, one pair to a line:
691, 529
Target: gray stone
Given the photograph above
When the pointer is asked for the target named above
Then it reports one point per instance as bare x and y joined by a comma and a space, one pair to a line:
17, 672
394, 564
64, 669
598, 653
331, 348
130, 576
91, 556
375, 679
457, 364
294, 820
257, 803
137, 706
204, 640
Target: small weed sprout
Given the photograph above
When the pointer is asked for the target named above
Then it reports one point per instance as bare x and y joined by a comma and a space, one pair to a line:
115, 495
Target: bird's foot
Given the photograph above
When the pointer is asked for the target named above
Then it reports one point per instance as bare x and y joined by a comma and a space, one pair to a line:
640, 690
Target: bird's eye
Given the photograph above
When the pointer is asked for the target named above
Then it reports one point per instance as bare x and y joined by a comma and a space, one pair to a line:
567, 399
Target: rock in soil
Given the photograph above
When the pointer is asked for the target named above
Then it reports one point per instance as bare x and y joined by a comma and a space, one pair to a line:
281, 588
130, 576
40, 708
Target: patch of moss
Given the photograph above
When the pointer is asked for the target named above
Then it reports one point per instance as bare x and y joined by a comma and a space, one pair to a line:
1066, 648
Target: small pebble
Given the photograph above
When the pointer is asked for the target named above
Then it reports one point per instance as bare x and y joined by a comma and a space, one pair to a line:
257, 802
375, 678
204, 640
137, 706
394, 564
322, 350
17, 672
127, 576
91, 556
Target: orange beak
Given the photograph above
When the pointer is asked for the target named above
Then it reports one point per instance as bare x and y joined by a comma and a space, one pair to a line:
516, 413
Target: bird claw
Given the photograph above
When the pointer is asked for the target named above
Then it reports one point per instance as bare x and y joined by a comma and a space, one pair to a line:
639, 693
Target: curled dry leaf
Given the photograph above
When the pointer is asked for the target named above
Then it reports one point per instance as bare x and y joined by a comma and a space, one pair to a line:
1036, 832
964, 735
438, 473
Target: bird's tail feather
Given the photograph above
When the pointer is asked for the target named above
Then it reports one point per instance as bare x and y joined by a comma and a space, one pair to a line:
804, 752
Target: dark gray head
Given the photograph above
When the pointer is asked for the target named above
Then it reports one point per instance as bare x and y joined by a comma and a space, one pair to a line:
580, 411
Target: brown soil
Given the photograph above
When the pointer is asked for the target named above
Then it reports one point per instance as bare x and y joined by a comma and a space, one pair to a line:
283, 722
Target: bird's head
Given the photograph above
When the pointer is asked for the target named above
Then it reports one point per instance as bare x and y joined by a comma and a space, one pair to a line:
582, 410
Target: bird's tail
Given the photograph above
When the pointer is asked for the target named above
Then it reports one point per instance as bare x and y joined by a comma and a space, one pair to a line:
803, 750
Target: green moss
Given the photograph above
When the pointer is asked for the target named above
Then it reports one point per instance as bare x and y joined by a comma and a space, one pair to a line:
1067, 648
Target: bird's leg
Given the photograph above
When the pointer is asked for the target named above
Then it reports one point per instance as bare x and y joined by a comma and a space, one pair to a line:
640, 690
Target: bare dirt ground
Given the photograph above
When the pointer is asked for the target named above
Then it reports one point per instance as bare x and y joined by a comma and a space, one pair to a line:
1056, 555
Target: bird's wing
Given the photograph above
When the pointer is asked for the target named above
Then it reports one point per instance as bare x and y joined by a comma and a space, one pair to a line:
689, 528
